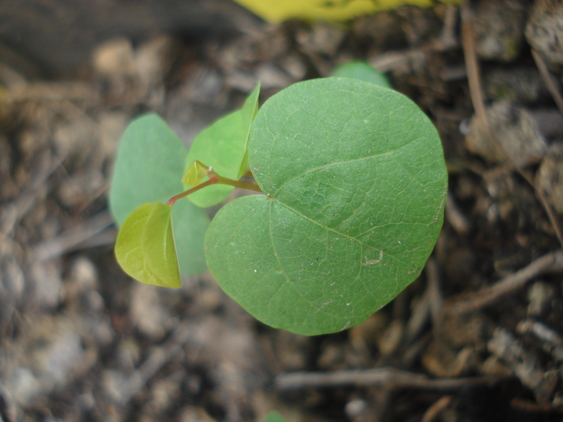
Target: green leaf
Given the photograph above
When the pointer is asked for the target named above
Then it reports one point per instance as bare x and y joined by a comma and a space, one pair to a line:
356, 184
195, 174
149, 168
145, 246
363, 71
223, 147
274, 417
190, 224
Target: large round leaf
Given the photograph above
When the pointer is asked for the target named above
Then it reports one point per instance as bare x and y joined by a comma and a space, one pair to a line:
356, 183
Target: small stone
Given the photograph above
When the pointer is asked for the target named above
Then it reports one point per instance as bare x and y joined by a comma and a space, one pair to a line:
544, 30
355, 408
83, 274
540, 295
114, 58
516, 136
294, 66
147, 312
46, 284
549, 180
153, 59
23, 385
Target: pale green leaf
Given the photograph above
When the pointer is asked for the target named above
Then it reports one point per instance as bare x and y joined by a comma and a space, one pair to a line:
195, 173
222, 146
145, 246
356, 184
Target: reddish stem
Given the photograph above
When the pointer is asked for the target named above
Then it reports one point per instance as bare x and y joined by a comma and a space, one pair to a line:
214, 178
172, 201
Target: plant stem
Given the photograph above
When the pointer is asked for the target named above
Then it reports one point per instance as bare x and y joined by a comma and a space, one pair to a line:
214, 179
238, 184
173, 200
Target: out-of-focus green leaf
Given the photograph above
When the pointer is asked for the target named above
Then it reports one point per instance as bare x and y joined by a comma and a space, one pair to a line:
274, 417
362, 71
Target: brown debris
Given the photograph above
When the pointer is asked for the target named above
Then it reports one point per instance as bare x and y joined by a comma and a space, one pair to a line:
81, 341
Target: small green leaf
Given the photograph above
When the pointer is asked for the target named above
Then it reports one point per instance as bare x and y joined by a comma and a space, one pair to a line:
356, 184
145, 246
274, 417
223, 147
362, 71
195, 173
148, 168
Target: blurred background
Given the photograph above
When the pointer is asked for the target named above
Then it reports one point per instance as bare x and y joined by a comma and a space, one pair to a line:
478, 337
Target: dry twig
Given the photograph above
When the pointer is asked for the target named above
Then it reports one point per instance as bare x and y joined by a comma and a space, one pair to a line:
156, 360
455, 217
433, 411
389, 377
53, 248
435, 294
476, 92
549, 80
469, 302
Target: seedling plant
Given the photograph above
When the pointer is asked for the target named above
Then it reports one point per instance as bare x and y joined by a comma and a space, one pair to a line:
348, 186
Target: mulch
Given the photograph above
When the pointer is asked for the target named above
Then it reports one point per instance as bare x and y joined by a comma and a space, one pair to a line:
477, 337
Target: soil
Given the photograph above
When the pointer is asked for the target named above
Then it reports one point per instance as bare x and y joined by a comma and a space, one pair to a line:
478, 337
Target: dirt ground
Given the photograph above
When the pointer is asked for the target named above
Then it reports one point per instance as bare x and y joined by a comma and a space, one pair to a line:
478, 337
